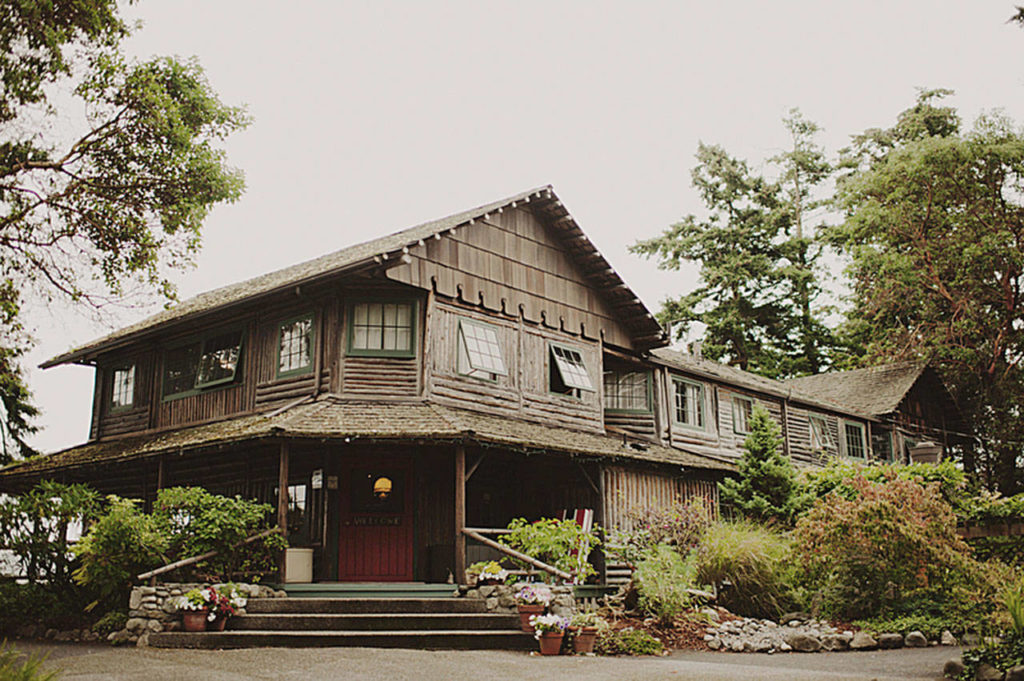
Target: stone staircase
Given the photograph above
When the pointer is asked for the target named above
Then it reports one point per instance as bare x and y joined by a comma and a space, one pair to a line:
378, 622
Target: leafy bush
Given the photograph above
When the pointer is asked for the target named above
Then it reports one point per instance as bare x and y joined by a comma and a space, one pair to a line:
1013, 599
680, 525
1002, 654
888, 549
555, 542
196, 521
662, 579
34, 527
14, 668
626, 642
754, 563
838, 475
929, 625
31, 603
121, 544
115, 620
767, 489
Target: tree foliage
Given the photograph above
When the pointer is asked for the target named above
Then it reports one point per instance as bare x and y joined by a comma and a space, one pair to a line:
934, 229
759, 263
767, 488
103, 212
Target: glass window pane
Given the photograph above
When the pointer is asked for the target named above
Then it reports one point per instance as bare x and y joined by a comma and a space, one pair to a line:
180, 369
294, 351
219, 359
123, 387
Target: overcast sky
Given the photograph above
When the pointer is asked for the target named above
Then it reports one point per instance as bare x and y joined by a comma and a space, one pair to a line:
370, 117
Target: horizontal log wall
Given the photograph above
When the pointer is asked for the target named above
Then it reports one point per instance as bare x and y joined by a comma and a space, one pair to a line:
732, 442
539, 403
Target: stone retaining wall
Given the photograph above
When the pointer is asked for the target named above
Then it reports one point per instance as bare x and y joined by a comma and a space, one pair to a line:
152, 609
501, 598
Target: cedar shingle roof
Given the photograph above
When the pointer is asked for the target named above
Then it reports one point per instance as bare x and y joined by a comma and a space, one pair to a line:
360, 255
331, 417
874, 390
730, 375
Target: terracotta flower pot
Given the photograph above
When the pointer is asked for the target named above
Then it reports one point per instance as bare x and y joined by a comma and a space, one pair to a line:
551, 642
525, 611
194, 620
583, 639
217, 624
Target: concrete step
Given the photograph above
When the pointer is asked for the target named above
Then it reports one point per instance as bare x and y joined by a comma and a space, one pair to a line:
369, 590
455, 639
374, 622
324, 606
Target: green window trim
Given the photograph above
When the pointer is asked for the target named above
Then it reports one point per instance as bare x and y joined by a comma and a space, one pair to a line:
195, 361
844, 426
566, 363
700, 411
485, 361
372, 352
648, 391
128, 388
307, 367
739, 413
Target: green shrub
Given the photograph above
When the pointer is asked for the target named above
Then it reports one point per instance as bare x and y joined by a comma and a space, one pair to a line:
680, 525
121, 544
749, 564
929, 625
115, 620
767, 489
626, 642
30, 603
15, 668
195, 521
838, 475
555, 542
891, 548
1002, 654
662, 579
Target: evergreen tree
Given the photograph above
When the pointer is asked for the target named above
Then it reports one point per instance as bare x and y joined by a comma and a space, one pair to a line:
767, 489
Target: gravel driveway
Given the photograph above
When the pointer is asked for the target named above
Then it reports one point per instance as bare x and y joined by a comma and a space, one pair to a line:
86, 662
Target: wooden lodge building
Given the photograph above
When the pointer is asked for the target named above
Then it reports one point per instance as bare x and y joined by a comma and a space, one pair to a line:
461, 373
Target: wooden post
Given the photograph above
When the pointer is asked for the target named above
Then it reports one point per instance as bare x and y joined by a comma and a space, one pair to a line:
460, 514
282, 505
160, 474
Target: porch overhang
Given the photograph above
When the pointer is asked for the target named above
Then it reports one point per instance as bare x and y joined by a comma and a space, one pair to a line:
333, 419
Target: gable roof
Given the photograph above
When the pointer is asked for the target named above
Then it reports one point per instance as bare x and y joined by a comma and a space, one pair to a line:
875, 390
377, 252
739, 378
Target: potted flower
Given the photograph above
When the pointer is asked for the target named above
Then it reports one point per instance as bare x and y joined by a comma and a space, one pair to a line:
549, 630
583, 629
210, 608
532, 599
484, 573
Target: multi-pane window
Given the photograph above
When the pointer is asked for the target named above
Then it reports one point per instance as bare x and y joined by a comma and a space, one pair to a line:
853, 437
479, 351
821, 437
294, 346
382, 329
627, 390
219, 359
742, 410
202, 363
881, 444
122, 393
688, 409
567, 373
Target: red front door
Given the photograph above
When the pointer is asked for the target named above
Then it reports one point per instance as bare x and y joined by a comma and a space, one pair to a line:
376, 524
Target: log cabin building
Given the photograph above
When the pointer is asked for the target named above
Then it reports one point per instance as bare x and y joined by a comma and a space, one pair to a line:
460, 373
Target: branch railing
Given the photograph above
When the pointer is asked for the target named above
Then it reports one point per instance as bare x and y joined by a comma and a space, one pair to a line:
185, 562
477, 534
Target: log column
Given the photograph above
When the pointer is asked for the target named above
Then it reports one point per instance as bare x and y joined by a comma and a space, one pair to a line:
460, 514
282, 505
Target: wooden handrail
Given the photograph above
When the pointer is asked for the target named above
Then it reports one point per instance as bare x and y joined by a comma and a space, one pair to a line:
489, 530
209, 554
473, 533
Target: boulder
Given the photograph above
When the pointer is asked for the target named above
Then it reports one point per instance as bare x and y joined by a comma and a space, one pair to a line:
715, 644
1015, 673
986, 672
803, 643
794, 616
486, 591
119, 637
143, 641
135, 599
952, 668
736, 646
947, 638
890, 641
835, 642
916, 639
155, 626
862, 640
136, 625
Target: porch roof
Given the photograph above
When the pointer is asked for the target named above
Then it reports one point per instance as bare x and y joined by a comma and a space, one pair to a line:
334, 418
